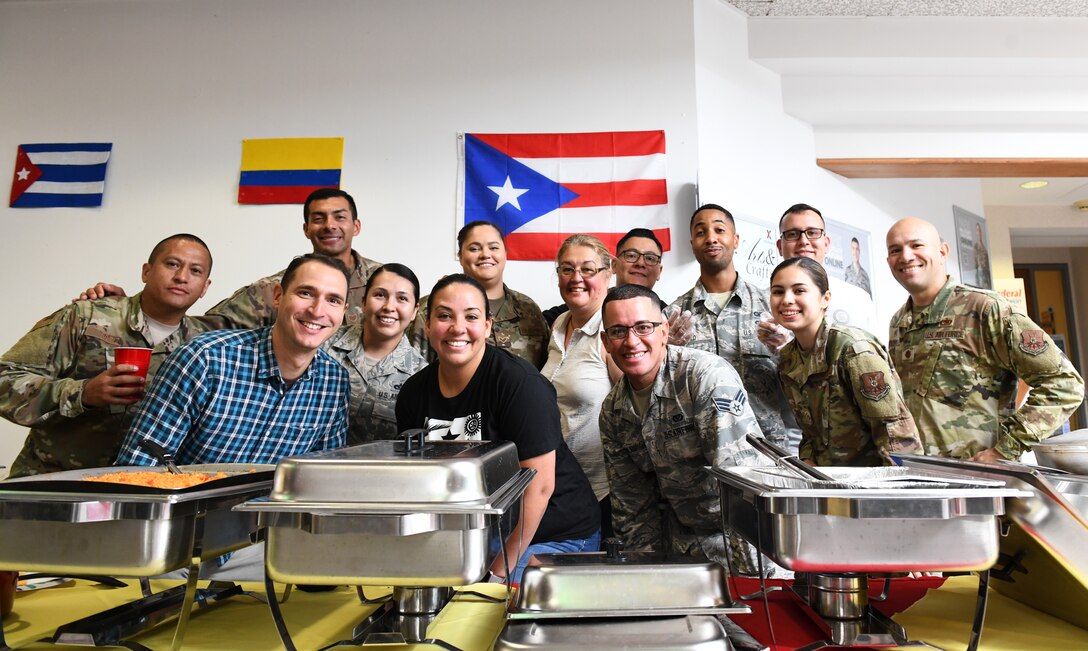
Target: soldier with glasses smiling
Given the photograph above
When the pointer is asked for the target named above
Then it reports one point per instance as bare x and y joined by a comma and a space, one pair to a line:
674, 411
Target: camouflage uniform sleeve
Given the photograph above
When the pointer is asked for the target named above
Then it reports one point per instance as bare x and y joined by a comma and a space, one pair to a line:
1056, 388
724, 415
33, 389
878, 393
631, 478
249, 307
417, 335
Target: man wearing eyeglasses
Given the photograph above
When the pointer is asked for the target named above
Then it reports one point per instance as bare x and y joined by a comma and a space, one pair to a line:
726, 310
674, 411
804, 235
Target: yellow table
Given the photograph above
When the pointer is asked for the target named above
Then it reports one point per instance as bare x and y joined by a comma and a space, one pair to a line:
942, 618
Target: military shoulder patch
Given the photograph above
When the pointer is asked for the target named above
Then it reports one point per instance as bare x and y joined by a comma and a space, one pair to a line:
873, 385
1033, 342
734, 405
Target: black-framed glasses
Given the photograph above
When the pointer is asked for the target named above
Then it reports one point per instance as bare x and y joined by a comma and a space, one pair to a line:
641, 329
587, 271
794, 234
632, 256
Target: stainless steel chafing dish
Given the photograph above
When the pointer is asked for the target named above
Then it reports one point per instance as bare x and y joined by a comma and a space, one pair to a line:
1044, 556
693, 633
374, 514
62, 524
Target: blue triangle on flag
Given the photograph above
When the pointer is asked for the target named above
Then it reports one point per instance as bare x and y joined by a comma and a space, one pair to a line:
487, 167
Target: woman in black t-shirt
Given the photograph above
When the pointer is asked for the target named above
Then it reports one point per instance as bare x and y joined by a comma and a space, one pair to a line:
479, 392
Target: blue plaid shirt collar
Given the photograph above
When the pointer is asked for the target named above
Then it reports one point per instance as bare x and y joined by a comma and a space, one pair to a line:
267, 366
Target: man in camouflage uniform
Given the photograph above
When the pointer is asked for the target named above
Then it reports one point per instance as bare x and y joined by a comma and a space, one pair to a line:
675, 411
329, 220
959, 351
60, 379
518, 327
374, 387
725, 310
847, 399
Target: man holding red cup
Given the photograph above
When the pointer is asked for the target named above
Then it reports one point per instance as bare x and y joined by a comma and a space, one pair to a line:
73, 377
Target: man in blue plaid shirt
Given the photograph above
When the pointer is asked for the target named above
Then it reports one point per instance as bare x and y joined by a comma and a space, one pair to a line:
254, 396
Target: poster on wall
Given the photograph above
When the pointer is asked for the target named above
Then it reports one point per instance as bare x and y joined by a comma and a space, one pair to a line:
848, 255
757, 255
60, 175
539, 188
287, 170
973, 249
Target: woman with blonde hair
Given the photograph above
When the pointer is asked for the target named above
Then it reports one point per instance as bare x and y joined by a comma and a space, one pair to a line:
577, 365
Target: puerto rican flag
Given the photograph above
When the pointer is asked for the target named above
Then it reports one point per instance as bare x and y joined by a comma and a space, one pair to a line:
60, 175
539, 188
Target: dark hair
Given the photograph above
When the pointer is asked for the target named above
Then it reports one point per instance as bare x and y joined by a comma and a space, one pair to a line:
814, 269
184, 237
462, 234
855, 241
321, 194
321, 258
639, 232
711, 206
398, 269
796, 208
629, 291
464, 279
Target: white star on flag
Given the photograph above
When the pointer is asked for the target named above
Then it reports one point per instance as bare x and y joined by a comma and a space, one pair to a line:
23, 174
508, 194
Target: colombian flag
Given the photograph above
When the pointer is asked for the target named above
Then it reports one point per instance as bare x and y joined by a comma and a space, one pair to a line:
286, 170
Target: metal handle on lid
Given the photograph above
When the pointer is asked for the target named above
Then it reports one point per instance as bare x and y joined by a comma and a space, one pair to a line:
786, 460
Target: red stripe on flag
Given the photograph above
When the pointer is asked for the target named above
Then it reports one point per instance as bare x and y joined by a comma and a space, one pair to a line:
275, 194
642, 192
576, 145
544, 246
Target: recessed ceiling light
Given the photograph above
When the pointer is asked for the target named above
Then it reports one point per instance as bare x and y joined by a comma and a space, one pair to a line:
1032, 185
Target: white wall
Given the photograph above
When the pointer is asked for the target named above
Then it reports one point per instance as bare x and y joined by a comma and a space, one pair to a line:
755, 159
177, 84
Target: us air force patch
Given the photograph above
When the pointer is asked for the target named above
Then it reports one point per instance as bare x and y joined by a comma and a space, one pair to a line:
873, 385
1033, 342
733, 405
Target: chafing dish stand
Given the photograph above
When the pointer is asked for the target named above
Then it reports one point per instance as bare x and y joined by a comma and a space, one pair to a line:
866, 521
422, 517
80, 527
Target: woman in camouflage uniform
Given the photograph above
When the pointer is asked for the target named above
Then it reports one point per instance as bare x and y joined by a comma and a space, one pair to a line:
838, 380
518, 326
376, 353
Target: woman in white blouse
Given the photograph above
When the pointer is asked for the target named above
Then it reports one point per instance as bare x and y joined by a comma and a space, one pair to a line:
577, 365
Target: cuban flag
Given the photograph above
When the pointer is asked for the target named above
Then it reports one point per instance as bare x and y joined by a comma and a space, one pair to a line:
539, 188
60, 175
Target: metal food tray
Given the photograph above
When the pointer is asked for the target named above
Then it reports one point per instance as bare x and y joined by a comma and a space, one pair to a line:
869, 520
1044, 556
635, 584
372, 515
59, 523
693, 633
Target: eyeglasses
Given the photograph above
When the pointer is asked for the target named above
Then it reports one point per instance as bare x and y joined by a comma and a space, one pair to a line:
794, 234
586, 271
632, 256
641, 329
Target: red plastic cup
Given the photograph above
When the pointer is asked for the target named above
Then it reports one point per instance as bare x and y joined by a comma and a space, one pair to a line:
138, 357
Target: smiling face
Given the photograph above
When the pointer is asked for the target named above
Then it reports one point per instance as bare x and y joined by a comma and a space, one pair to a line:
802, 246
581, 292
640, 358
713, 240
638, 272
797, 303
457, 325
389, 307
483, 255
916, 257
331, 227
310, 308
175, 279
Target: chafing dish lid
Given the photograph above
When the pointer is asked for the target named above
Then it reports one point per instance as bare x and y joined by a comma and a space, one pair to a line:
381, 472
1073, 441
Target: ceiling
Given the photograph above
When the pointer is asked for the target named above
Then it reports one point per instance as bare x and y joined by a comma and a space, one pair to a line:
930, 79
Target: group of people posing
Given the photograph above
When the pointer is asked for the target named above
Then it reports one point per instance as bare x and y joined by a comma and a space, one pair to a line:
615, 399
